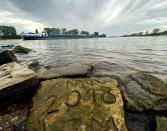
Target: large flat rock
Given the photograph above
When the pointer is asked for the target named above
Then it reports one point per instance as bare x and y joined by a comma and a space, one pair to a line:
72, 70
86, 104
145, 92
16, 81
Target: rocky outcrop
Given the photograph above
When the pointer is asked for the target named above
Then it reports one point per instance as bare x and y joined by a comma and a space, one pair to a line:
77, 104
72, 70
7, 56
145, 92
21, 50
16, 82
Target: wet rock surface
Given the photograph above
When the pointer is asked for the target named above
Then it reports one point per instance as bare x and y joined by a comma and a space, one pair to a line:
140, 121
16, 82
7, 56
161, 123
77, 104
72, 71
145, 92
13, 117
21, 50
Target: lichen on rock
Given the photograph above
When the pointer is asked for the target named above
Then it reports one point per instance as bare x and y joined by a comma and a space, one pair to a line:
77, 104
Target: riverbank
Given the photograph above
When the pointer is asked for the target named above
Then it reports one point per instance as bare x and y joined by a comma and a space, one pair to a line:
144, 104
10, 37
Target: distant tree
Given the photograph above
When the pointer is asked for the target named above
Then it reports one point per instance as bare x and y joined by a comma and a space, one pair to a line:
8, 31
140, 33
46, 30
134, 34
52, 31
84, 33
156, 30
56, 31
96, 34
103, 35
36, 31
147, 32
64, 31
73, 32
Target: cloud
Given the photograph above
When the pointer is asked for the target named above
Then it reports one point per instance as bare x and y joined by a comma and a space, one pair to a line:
114, 17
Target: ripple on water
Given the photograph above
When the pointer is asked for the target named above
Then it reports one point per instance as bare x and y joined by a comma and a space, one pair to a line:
110, 56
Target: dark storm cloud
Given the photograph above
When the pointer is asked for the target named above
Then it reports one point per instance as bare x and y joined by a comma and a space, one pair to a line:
109, 16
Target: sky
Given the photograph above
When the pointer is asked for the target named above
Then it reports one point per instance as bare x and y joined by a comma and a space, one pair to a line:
113, 17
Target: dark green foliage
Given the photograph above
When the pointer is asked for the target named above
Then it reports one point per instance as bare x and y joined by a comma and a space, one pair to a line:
52, 31
96, 34
7, 31
155, 32
103, 35
85, 33
73, 32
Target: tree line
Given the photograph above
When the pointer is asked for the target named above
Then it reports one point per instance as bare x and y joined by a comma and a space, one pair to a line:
64, 31
154, 32
8, 32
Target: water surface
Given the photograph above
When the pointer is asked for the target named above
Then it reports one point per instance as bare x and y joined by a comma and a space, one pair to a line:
109, 55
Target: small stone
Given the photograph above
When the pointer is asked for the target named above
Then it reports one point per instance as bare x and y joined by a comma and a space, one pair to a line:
1, 128
73, 98
109, 98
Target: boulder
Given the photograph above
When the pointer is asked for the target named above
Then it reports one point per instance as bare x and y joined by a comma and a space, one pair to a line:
145, 92
77, 104
161, 123
21, 50
7, 56
72, 70
16, 82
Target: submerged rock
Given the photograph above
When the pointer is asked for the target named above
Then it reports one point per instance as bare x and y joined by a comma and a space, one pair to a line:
77, 104
72, 70
145, 92
7, 56
7, 46
34, 65
21, 50
16, 82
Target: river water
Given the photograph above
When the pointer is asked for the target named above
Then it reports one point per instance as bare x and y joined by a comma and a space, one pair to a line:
109, 55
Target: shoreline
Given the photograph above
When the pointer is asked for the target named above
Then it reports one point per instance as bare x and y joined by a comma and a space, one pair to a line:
151, 114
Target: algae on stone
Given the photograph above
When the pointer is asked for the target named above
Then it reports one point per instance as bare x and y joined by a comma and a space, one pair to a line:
77, 104
144, 92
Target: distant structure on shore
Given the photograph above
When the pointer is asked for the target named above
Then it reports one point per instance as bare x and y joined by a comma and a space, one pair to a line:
155, 32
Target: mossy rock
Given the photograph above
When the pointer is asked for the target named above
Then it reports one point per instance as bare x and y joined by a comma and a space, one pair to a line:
145, 92
21, 50
77, 104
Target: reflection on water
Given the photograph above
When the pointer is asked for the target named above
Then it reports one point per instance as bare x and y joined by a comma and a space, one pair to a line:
111, 55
